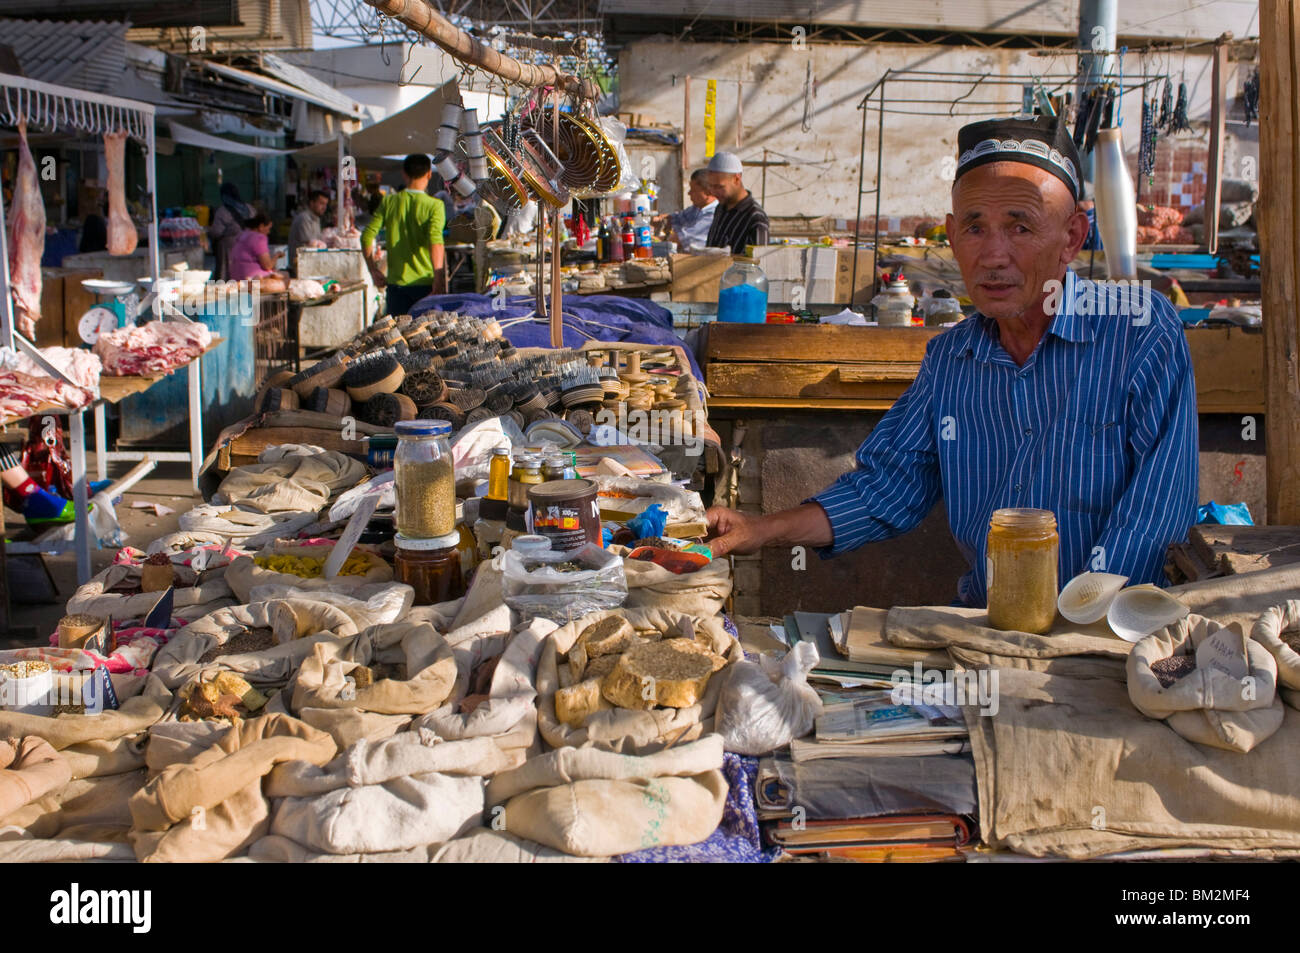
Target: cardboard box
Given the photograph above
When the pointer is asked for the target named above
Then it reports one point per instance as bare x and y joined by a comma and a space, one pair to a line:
782, 262
863, 289
696, 277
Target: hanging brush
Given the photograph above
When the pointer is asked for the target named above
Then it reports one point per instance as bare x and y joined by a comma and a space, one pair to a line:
1166, 105
1180, 123
1147, 146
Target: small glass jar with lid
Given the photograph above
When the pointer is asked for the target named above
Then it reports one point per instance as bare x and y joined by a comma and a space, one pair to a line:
1021, 561
742, 292
432, 567
425, 479
499, 473
527, 472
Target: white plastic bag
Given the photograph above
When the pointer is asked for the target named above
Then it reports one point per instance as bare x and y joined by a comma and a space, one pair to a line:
766, 706
534, 589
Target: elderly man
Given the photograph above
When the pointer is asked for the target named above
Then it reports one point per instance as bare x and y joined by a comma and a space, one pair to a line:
739, 221
1050, 396
690, 226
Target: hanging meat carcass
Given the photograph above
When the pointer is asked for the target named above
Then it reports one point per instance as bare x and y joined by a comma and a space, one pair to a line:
26, 239
122, 237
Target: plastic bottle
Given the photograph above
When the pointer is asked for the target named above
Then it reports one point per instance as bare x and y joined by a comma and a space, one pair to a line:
629, 239
615, 241
602, 242
742, 292
643, 236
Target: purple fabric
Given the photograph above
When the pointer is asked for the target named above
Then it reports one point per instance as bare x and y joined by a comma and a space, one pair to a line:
586, 317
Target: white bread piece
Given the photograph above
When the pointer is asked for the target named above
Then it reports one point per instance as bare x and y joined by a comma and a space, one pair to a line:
574, 704
674, 673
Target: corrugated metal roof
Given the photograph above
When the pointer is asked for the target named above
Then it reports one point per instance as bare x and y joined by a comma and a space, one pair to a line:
1151, 18
84, 55
293, 75
332, 103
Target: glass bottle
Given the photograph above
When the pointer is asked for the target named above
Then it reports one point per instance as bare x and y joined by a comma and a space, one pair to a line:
1021, 561
499, 474
425, 479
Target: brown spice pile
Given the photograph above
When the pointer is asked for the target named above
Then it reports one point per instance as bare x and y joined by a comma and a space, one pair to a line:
1292, 639
1170, 670
252, 640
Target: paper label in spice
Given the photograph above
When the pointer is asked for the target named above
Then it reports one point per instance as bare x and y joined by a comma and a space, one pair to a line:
352, 533
988, 573
1225, 651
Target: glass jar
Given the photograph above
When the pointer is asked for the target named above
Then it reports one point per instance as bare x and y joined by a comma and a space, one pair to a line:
499, 473
432, 567
1023, 549
527, 472
558, 467
742, 292
425, 479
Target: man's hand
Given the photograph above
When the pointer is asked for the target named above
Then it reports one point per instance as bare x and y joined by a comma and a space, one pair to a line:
733, 532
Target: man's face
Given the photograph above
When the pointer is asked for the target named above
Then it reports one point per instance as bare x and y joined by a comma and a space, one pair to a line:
699, 192
1014, 227
725, 186
318, 205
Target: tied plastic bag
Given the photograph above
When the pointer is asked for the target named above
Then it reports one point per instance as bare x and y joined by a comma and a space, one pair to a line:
767, 705
562, 586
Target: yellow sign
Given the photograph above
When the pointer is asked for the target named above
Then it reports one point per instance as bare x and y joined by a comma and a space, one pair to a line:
710, 120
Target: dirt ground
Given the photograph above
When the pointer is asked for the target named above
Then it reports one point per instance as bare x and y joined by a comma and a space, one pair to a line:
168, 485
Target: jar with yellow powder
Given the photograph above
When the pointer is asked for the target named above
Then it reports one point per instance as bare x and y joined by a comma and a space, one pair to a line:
1023, 548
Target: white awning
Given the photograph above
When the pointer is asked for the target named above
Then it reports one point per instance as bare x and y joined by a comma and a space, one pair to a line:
192, 137
411, 130
333, 103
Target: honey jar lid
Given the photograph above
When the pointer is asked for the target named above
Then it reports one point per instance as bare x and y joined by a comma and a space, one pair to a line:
450, 541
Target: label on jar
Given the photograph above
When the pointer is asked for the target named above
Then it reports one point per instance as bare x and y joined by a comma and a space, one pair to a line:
988, 573
567, 525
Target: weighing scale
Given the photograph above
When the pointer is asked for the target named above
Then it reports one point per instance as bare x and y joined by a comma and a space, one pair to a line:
117, 301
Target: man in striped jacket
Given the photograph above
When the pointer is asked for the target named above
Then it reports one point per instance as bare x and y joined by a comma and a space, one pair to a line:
1058, 393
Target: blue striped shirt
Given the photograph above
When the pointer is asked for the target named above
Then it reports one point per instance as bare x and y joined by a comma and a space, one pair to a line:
1099, 426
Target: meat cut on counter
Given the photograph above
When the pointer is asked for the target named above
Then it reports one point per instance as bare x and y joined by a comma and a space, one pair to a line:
24, 385
122, 236
26, 239
151, 348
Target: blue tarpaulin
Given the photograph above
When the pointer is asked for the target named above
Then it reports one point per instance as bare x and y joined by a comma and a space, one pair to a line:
586, 318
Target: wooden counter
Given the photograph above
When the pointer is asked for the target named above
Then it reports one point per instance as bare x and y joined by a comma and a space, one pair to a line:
839, 367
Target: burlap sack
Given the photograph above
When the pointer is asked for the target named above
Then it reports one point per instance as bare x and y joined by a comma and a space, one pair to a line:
1206, 706
1268, 630
292, 616
274, 849
484, 846
211, 806
939, 627
596, 803
284, 480
244, 573
190, 602
508, 715
241, 526
430, 667
29, 770
701, 593
1118, 780
347, 726
66, 730
400, 814
31, 850
88, 809
620, 729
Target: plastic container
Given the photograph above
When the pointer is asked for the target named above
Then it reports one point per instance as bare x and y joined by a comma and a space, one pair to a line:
566, 513
425, 479
742, 293
530, 545
644, 237
432, 567
1023, 549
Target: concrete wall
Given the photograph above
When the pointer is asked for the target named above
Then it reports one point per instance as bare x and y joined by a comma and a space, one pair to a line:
822, 180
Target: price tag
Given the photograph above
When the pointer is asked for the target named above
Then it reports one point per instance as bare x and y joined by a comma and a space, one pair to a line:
343, 548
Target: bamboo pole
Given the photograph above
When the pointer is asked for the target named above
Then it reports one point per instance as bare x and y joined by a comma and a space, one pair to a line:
421, 17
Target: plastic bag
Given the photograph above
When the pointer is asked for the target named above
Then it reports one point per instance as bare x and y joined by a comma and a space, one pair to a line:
1226, 514
767, 705
536, 587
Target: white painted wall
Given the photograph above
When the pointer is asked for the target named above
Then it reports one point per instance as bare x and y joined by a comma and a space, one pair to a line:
823, 179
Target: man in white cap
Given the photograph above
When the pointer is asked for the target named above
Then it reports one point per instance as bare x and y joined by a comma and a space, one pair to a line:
739, 221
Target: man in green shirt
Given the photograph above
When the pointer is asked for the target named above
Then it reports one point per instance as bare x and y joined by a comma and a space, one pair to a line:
414, 221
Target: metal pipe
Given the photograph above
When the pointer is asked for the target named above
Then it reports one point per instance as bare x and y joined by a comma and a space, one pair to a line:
880, 157
1098, 20
421, 17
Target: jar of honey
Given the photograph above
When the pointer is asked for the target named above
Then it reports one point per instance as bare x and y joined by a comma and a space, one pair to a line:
1023, 548
432, 567
527, 472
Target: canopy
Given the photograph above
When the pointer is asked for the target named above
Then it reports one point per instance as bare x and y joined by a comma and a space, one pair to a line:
411, 130
193, 137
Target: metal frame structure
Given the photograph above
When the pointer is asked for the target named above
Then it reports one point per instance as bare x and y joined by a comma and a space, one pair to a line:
930, 106
45, 105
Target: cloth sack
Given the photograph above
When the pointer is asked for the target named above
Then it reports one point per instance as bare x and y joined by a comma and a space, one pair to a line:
90, 809
484, 846
190, 601
291, 478
1206, 705
29, 769
242, 526
65, 731
274, 849
431, 671
595, 803
1267, 630
210, 806
701, 593
624, 730
244, 573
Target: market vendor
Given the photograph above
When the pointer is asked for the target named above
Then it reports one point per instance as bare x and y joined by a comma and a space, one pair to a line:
690, 226
250, 255
414, 221
305, 230
738, 221
1066, 397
